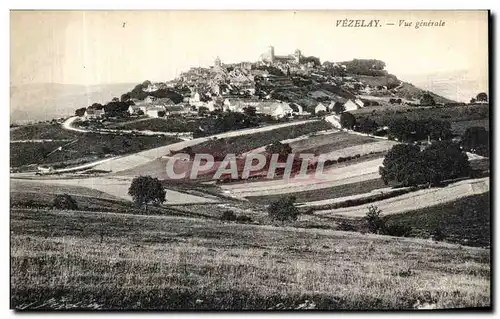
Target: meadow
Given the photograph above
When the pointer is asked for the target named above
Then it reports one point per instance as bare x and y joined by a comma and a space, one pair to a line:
96, 260
324, 193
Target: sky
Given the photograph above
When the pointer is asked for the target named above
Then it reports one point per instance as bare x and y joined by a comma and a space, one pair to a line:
100, 47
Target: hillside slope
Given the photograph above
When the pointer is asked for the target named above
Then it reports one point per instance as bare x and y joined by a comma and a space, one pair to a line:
138, 262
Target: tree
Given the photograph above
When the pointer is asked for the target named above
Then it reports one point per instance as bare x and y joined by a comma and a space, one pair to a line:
115, 99
366, 125
283, 149
427, 100
125, 97
145, 190
406, 165
338, 107
407, 130
80, 112
482, 97
475, 138
321, 113
397, 158
203, 110
64, 201
283, 209
374, 220
472, 101
347, 120
250, 111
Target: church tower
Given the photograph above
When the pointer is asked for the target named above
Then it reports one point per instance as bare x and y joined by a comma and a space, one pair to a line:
217, 62
271, 53
297, 55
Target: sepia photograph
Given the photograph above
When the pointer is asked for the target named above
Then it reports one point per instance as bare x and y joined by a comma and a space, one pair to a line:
239, 160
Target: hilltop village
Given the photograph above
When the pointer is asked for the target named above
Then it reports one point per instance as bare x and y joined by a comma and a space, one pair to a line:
279, 86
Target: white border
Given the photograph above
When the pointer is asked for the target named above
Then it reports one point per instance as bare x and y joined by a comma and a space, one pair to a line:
207, 5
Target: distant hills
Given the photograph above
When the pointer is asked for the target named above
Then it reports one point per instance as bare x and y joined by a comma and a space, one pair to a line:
45, 101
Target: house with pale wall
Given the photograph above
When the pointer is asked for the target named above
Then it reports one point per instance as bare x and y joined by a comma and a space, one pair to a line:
93, 113
320, 108
351, 105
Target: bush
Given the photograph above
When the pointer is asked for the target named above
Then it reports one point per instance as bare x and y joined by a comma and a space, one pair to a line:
397, 229
228, 215
283, 210
64, 201
374, 220
438, 234
345, 226
244, 219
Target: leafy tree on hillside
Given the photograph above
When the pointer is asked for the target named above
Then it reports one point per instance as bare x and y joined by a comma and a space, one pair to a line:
347, 120
80, 111
250, 111
116, 108
115, 99
283, 149
283, 210
145, 190
366, 125
397, 157
406, 165
203, 110
313, 59
374, 220
64, 201
472, 101
477, 140
125, 97
338, 107
427, 100
482, 97
407, 130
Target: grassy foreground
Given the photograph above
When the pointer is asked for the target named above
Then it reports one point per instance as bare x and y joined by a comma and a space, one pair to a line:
87, 260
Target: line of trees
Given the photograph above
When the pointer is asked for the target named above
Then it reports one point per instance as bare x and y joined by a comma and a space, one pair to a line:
407, 165
406, 130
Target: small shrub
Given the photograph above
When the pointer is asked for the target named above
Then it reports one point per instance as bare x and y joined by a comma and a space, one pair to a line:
397, 229
228, 215
283, 210
345, 226
438, 234
64, 201
374, 220
244, 219
309, 211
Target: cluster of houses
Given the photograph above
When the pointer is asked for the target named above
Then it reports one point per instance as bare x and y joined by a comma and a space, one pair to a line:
161, 107
158, 107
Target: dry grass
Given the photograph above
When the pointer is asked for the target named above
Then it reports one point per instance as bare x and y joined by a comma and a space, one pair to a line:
65, 260
326, 143
325, 193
